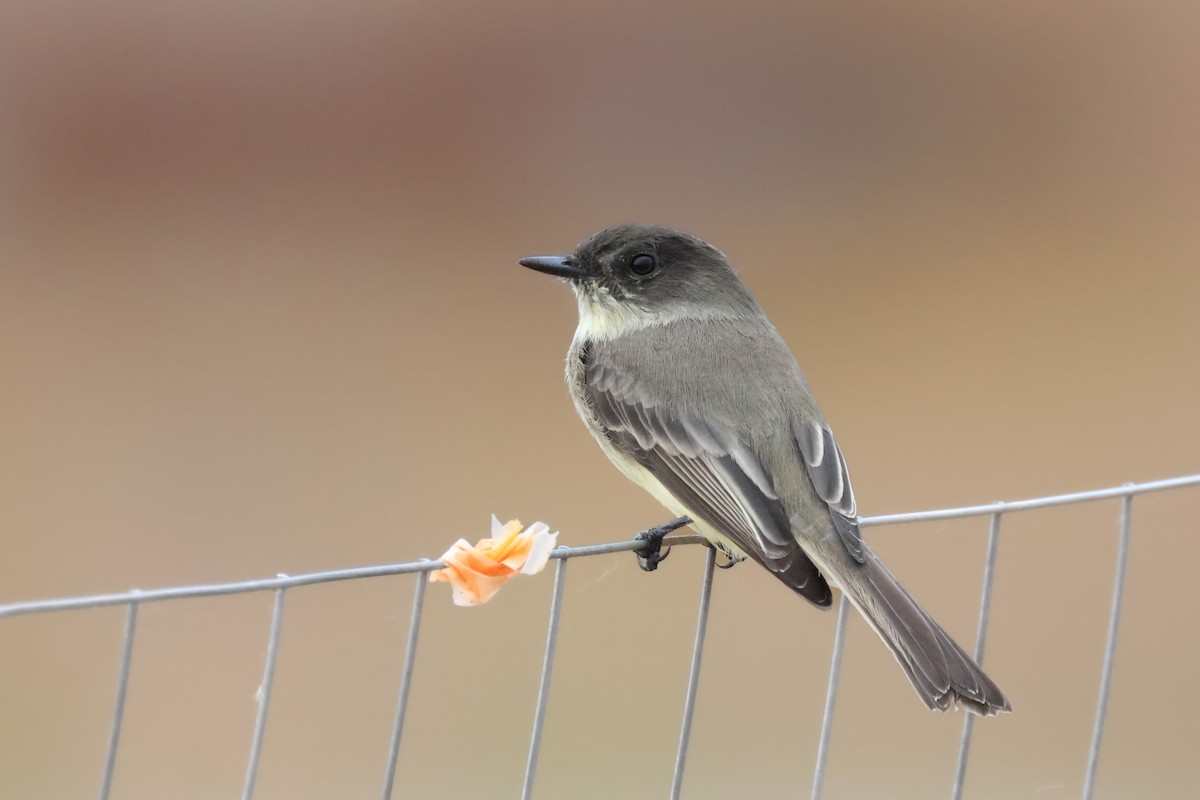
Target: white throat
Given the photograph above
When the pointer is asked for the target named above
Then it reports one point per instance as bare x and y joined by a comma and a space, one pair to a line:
604, 318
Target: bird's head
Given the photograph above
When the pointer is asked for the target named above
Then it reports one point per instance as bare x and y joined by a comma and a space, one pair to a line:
629, 276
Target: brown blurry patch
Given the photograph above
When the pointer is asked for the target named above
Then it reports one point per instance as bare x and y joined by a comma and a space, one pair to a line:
259, 291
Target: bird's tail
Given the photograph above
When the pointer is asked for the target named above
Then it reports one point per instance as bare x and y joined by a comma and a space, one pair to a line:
939, 670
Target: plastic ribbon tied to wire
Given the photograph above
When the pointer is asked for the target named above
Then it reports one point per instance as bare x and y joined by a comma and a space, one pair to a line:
282, 584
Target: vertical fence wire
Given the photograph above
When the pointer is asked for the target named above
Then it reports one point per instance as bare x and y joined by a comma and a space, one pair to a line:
410, 654
689, 700
1110, 647
539, 715
835, 673
132, 601
114, 733
264, 697
985, 608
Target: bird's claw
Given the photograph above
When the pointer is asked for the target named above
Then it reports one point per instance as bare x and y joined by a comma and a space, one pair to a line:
732, 560
651, 554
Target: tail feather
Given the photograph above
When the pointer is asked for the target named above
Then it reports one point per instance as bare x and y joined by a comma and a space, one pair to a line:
941, 672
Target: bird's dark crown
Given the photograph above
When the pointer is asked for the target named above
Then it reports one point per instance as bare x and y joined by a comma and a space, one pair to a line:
653, 265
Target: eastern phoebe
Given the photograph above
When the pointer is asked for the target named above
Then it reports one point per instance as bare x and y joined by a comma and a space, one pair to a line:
692, 393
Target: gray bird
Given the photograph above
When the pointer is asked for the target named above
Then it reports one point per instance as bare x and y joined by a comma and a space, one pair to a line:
692, 393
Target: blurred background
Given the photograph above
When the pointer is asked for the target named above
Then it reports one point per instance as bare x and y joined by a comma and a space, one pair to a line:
260, 313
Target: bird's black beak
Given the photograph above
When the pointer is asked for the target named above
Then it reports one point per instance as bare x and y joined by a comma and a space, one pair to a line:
562, 266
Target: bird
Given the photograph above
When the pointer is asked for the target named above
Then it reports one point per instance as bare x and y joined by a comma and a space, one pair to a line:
693, 394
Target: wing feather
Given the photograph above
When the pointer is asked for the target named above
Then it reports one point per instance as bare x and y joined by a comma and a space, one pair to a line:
705, 466
831, 479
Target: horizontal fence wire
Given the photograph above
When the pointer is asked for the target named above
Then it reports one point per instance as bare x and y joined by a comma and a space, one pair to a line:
293, 581
425, 565
134, 598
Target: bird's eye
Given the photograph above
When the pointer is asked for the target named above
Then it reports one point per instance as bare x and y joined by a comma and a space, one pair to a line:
643, 264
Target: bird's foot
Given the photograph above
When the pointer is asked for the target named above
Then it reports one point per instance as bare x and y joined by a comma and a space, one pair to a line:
651, 554
730, 558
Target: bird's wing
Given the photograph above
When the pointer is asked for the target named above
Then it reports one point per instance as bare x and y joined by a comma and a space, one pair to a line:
710, 471
827, 469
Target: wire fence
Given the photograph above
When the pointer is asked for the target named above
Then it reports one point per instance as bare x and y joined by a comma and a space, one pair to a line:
282, 584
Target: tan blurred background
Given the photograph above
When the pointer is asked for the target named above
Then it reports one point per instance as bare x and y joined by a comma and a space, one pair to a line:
259, 313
